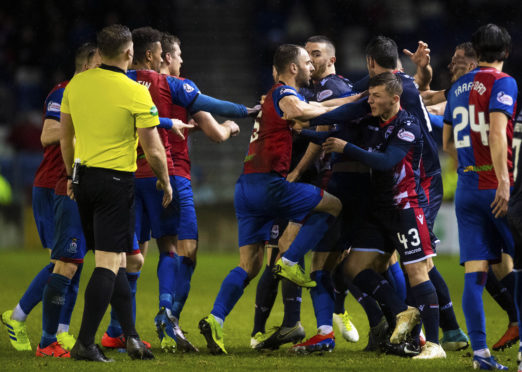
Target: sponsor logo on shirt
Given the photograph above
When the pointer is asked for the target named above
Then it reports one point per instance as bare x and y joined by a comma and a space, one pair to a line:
420, 217
287, 90
504, 98
275, 232
406, 135
324, 95
53, 106
154, 111
188, 88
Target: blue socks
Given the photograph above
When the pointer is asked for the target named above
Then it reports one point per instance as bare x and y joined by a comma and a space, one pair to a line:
52, 300
33, 294
266, 294
428, 304
133, 284
182, 284
473, 308
448, 321
399, 282
309, 235
167, 272
230, 292
70, 297
323, 297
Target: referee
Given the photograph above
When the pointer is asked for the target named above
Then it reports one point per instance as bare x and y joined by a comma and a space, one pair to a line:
104, 112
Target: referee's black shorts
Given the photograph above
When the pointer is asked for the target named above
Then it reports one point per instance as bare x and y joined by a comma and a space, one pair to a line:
105, 200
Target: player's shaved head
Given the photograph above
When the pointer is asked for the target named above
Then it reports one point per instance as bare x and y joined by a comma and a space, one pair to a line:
330, 47
492, 43
84, 55
468, 50
144, 39
113, 39
383, 50
392, 83
285, 55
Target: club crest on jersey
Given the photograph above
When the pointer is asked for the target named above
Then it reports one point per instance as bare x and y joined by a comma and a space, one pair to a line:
504, 98
275, 232
420, 217
389, 131
53, 106
188, 88
324, 95
73, 247
406, 135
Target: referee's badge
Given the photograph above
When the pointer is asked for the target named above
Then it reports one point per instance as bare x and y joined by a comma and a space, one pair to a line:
154, 111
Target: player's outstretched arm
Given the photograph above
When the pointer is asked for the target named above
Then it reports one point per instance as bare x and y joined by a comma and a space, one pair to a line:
344, 113
155, 154
498, 148
295, 109
213, 130
376, 160
50, 132
344, 100
433, 97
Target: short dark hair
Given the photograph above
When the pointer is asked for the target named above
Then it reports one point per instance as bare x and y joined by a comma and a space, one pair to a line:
384, 51
322, 39
468, 49
392, 82
167, 43
492, 43
84, 54
112, 39
284, 55
143, 38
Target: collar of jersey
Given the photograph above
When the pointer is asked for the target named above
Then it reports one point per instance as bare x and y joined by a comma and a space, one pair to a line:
112, 68
383, 124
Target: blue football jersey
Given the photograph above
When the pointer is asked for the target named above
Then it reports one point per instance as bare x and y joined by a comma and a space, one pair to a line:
470, 101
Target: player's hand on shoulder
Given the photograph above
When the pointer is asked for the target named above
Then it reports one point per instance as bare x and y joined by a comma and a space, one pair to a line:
232, 125
167, 192
178, 126
253, 111
333, 144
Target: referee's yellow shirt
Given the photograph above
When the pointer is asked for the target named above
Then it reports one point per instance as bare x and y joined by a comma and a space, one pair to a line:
106, 108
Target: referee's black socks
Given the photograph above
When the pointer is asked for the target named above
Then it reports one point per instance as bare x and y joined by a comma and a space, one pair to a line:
97, 297
121, 302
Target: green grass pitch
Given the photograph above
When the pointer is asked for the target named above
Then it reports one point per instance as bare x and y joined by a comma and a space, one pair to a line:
19, 267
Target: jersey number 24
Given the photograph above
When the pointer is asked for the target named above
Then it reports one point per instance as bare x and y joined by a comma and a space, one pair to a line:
468, 117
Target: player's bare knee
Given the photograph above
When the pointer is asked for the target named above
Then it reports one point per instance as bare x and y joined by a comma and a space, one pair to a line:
135, 262
417, 272
67, 269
